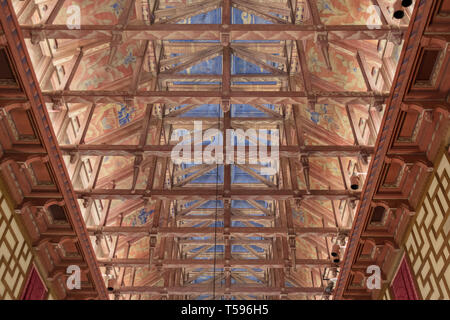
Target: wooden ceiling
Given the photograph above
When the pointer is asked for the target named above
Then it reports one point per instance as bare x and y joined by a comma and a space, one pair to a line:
135, 72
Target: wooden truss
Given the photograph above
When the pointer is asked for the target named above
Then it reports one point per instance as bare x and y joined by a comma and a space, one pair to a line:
180, 241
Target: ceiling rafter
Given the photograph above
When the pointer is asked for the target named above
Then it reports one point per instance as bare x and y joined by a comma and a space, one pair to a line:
156, 86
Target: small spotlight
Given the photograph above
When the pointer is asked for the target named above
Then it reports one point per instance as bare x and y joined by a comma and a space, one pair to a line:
399, 14
354, 180
111, 284
335, 250
406, 3
335, 253
329, 288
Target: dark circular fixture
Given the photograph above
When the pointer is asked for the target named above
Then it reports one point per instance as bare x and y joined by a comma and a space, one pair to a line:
399, 14
110, 289
336, 260
406, 3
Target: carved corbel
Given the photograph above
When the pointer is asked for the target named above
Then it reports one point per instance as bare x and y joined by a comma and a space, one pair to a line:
58, 103
395, 36
225, 105
321, 38
377, 103
37, 36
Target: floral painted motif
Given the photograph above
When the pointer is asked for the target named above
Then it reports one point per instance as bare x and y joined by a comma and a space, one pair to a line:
347, 12
345, 72
125, 114
332, 118
94, 72
112, 116
322, 115
112, 164
104, 12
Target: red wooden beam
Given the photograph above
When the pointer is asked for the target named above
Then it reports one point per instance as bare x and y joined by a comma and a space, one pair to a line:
213, 97
209, 193
211, 31
165, 150
233, 290
209, 263
197, 231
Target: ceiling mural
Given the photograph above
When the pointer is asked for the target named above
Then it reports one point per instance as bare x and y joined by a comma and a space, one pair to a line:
345, 72
117, 107
112, 116
93, 12
347, 12
94, 71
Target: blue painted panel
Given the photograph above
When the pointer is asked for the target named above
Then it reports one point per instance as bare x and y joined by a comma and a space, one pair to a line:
196, 82
211, 17
256, 248
194, 41
217, 224
213, 176
256, 83
238, 248
205, 110
242, 204
219, 248
210, 177
320, 115
256, 224
239, 224
240, 176
240, 17
241, 66
212, 204
211, 66
142, 217
125, 114
245, 110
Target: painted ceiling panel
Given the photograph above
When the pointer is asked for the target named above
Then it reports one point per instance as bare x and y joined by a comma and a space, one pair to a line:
211, 17
111, 163
94, 12
139, 249
256, 65
345, 73
336, 12
94, 71
325, 174
242, 17
333, 122
112, 116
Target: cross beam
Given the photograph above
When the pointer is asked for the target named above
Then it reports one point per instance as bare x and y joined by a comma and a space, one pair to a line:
211, 194
233, 290
218, 263
165, 150
201, 232
213, 97
210, 32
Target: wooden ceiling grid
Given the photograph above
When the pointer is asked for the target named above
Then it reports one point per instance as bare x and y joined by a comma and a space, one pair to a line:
205, 239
